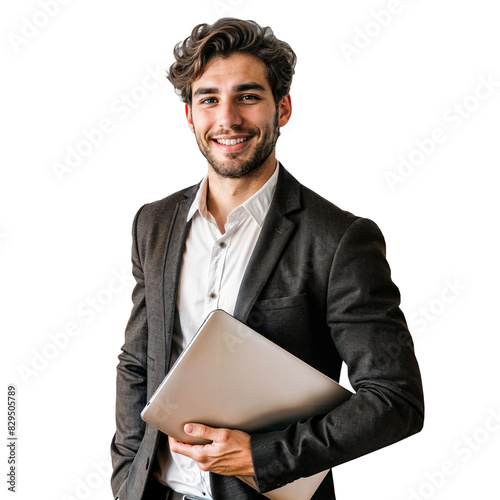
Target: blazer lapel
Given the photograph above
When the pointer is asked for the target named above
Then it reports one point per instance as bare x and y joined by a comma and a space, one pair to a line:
275, 233
174, 249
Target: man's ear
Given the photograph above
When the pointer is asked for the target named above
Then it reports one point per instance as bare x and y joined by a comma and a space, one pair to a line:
189, 117
284, 110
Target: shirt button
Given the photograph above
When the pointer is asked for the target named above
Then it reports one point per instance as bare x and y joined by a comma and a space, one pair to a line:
222, 244
213, 295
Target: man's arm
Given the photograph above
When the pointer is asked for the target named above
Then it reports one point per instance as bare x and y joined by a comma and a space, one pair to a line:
370, 333
131, 380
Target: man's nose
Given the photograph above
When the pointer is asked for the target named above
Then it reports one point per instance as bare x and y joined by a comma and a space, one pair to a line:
229, 115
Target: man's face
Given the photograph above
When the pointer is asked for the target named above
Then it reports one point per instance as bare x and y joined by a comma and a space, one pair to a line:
234, 117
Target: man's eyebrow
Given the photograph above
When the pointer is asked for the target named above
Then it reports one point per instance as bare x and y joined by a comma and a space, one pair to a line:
206, 90
250, 86
243, 87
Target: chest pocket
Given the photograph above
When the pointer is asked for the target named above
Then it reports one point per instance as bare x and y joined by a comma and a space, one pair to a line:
285, 322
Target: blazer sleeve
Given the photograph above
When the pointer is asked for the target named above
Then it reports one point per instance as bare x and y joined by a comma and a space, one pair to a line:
370, 334
131, 380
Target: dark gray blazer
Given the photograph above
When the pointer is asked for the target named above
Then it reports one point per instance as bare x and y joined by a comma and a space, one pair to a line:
317, 284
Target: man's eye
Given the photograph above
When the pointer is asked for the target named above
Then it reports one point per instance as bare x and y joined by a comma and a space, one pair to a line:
249, 98
210, 100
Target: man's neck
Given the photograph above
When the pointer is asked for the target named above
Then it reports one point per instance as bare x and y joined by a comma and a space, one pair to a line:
224, 194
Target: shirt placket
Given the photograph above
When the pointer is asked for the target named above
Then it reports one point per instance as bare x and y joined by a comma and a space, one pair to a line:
217, 262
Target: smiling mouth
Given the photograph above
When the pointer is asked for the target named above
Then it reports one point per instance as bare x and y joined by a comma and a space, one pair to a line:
231, 142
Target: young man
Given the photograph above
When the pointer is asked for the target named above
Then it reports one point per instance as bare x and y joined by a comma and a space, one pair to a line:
253, 241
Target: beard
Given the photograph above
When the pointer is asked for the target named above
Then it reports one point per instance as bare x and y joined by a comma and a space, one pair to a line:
234, 168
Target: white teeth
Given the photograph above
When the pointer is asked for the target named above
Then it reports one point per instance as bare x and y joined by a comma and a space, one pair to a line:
231, 142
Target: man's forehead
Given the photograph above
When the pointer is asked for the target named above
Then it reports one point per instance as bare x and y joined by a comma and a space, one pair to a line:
238, 72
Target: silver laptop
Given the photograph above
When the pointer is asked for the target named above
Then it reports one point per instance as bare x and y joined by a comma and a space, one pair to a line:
232, 377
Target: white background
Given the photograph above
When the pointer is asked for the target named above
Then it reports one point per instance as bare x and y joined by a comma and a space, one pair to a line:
360, 104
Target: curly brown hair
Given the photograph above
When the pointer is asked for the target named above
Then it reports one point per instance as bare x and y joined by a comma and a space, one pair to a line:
223, 38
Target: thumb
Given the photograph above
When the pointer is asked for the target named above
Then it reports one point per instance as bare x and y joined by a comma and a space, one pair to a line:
202, 431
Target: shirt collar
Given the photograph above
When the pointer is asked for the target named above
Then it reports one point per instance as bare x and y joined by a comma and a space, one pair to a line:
257, 205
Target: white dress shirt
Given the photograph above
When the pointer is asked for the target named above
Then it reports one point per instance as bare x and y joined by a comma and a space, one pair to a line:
212, 269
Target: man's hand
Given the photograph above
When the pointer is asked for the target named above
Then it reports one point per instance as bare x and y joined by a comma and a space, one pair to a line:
228, 454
